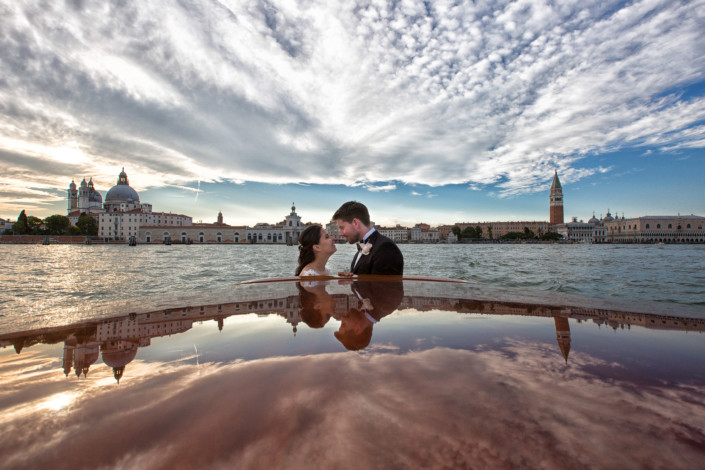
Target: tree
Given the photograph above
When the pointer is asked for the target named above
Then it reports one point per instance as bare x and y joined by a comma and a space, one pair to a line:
87, 225
57, 224
33, 224
489, 232
469, 232
529, 234
553, 236
73, 230
20, 227
456, 231
478, 231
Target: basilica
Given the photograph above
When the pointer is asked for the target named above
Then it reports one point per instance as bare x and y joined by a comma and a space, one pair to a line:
122, 214
122, 217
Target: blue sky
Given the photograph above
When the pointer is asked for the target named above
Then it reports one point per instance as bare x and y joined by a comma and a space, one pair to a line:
435, 112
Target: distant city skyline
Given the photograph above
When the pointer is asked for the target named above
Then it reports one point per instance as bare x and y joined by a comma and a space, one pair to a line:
429, 112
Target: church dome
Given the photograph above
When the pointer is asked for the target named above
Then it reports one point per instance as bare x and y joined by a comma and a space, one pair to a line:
95, 197
608, 217
121, 192
594, 220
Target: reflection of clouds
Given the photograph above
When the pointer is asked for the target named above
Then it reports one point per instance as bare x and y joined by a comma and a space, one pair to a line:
517, 406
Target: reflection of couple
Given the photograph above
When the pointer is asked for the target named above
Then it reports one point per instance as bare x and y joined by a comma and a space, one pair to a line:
376, 254
372, 301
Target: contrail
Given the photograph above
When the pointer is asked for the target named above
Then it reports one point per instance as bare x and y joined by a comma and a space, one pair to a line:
198, 190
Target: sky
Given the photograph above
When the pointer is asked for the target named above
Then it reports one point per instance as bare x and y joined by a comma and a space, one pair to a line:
426, 111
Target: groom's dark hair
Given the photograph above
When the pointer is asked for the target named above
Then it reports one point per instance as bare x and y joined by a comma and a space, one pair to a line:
353, 210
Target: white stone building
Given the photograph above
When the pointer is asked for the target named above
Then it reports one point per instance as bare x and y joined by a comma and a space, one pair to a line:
399, 234
656, 229
421, 234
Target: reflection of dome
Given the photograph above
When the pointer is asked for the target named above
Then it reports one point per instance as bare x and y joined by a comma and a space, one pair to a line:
121, 192
119, 357
95, 196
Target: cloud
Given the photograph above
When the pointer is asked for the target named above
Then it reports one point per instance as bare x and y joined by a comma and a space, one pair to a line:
482, 93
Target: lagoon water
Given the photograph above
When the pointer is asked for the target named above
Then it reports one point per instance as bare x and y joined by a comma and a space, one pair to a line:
46, 280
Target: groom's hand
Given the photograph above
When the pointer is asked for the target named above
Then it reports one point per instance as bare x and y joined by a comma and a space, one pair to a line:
345, 274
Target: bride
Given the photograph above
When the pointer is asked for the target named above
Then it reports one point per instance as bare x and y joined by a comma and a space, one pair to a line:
315, 247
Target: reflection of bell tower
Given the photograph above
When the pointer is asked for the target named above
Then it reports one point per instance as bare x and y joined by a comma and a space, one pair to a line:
563, 335
556, 198
69, 347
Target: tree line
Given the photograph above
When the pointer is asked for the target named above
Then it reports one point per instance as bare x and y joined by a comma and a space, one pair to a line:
53, 225
470, 233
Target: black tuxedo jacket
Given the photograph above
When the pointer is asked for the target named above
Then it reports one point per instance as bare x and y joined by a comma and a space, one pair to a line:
383, 258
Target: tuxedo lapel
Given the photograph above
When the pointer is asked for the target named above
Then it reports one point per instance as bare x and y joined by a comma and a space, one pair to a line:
365, 260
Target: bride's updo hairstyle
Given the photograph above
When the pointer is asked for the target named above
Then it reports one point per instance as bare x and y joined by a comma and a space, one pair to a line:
309, 237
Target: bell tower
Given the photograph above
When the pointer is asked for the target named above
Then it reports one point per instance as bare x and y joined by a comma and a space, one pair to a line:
556, 198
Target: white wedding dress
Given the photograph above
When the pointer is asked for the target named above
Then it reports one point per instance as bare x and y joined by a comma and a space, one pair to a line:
311, 272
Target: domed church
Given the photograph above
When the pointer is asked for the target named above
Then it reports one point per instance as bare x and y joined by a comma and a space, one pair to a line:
122, 214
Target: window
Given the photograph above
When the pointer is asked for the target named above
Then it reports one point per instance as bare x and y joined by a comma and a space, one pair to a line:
647, 225
687, 226
658, 225
670, 225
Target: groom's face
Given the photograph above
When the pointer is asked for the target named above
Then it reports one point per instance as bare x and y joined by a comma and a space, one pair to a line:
350, 230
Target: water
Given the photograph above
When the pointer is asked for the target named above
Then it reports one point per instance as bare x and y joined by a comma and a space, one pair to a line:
37, 280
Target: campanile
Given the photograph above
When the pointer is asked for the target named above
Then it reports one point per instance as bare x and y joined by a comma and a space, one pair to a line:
556, 197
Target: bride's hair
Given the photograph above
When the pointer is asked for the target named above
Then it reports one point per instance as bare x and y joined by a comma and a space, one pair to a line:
309, 237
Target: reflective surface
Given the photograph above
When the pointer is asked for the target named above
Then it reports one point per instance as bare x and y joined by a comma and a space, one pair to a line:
41, 283
365, 373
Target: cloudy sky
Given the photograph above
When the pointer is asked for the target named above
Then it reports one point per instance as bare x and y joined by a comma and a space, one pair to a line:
434, 111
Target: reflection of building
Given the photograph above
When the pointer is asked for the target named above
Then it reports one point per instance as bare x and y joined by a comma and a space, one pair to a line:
118, 339
563, 335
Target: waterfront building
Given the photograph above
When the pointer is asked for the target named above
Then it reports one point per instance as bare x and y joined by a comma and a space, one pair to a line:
399, 234
580, 231
5, 225
83, 200
218, 232
334, 232
645, 229
556, 201
124, 213
423, 233
495, 230
286, 232
656, 229
121, 215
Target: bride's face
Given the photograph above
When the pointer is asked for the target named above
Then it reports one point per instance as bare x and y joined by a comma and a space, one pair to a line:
326, 244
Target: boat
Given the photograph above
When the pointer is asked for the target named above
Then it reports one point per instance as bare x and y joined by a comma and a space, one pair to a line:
371, 371
132, 241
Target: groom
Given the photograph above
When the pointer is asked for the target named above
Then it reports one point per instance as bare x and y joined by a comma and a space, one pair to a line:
376, 253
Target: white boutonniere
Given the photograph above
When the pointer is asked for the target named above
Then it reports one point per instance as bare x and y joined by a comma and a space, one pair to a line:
366, 248
366, 305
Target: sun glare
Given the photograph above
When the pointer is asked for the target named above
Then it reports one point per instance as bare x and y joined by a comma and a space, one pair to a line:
58, 401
